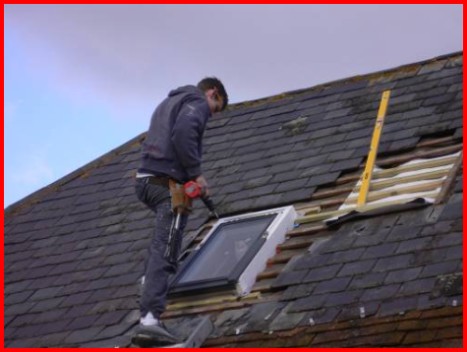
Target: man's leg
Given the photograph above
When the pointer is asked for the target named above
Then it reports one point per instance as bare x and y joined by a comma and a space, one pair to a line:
158, 269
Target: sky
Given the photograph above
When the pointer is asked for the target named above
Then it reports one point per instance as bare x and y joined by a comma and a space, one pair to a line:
81, 80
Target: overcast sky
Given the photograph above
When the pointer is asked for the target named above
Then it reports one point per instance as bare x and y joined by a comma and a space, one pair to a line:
81, 80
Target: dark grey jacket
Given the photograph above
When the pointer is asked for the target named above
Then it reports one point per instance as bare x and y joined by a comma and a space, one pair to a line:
173, 145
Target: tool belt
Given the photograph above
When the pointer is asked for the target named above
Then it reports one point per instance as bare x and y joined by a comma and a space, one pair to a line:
181, 203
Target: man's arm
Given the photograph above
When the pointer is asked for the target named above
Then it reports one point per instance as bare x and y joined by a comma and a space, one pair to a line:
186, 137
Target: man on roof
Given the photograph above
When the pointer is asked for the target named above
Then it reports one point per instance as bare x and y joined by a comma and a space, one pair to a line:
171, 154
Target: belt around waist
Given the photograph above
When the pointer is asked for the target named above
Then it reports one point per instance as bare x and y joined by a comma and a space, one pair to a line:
156, 180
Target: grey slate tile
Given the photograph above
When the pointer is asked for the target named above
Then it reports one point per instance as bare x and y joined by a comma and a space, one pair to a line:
285, 176
313, 261
397, 306
82, 322
25, 343
261, 315
405, 275
334, 114
358, 311
226, 319
315, 160
367, 280
334, 285
417, 286
377, 238
314, 171
84, 335
457, 124
117, 270
18, 297
401, 233
79, 310
404, 144
288, 278
101, 294
267, 201
45, 293
451, 239
323, 273
446, 73
338, 299
286, 321
323, 179
308, 303
58, 326
360, 133
111, 318
359, 147
358, 267
64, 268
431, 129
348, 165
339, 156
451, 211
379, 251
346, 256
47, 316
440, 99
432, 67
117, 342
16, 322
414, 245
380, 293
263, 190
128, 291
26, 332
292, 185
393, 262
338, 243
427, 302
281, 109
299, 291
320, 316
448, 267
76, 299
52, 340
47, 304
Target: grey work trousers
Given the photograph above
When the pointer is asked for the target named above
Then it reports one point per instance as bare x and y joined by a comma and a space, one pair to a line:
157, 268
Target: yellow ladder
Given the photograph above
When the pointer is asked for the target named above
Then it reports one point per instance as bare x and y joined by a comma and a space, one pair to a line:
370, 163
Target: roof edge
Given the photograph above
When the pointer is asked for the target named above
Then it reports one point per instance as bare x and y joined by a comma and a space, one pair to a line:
34, 197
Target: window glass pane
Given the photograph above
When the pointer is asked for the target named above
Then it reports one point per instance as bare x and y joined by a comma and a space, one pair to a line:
225, 249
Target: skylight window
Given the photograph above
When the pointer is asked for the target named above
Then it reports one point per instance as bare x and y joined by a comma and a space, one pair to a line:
234, 252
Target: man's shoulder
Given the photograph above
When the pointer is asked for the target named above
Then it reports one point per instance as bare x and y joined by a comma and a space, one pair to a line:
197, 105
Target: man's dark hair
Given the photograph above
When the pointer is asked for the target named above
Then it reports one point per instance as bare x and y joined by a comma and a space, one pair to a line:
212, 82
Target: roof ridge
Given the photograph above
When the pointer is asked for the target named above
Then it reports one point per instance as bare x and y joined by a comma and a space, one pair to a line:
330, 84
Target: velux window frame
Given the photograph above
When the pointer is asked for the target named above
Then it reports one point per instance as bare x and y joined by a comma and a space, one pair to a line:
278, 222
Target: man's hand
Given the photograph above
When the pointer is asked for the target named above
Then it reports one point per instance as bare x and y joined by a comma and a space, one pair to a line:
204, 185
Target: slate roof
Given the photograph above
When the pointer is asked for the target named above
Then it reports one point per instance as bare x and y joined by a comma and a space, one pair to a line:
74, 250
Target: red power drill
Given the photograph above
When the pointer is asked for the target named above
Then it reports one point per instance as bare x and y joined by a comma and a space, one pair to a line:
194, 190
